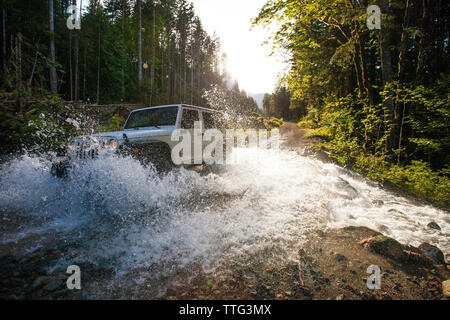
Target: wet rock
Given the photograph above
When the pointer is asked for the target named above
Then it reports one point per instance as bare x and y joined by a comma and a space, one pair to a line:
378, 203
54, 284
433, 253
384, 246
346, 187
47, 280
396, 211
383, 228
39, 282
416, 256
434, 225
446, 288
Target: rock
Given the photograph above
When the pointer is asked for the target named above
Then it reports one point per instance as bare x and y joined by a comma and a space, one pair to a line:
434, 225
384, 246
446, 288
53, 285
396, 211
378, 202
417, 257
433, 253
347, 188
383, 228
161, 294
40, 281
340, 257
46, 280
340, 297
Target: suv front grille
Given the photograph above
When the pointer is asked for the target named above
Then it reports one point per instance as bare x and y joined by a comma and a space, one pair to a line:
87, 149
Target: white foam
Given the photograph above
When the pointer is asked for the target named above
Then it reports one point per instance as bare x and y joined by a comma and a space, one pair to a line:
117, 209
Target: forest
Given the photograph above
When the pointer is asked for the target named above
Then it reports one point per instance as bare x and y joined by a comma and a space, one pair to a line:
153, 52
379, 99
142, 52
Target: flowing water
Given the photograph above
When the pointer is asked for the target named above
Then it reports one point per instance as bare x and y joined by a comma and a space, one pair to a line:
114, 211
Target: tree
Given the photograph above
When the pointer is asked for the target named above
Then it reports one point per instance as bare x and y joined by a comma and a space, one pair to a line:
377, 98
139, 7
53, 77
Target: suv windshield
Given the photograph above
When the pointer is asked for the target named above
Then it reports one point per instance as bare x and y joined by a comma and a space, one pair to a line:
152, 118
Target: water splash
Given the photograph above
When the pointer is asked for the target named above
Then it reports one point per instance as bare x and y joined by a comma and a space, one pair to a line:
116, 210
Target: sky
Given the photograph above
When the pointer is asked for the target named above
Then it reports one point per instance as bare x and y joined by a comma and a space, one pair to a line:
248, 60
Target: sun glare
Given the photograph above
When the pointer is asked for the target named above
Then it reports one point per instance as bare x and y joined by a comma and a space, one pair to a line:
248, 60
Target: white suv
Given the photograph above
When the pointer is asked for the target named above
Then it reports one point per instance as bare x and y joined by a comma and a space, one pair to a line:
146, 135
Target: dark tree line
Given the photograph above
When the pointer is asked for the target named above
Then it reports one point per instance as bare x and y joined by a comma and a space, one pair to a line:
279, 104
147, 51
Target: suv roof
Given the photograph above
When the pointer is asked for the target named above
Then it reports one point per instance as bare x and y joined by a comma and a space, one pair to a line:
178, 105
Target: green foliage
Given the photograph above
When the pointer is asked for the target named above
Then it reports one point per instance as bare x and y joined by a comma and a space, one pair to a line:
388, 119
39, 129
420, 179
425, 111
116, 124
348, 127
181, 57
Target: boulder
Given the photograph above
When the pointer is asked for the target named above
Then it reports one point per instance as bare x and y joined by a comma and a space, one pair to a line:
416, 256
432, 252
434, 225
384, 246
54, 284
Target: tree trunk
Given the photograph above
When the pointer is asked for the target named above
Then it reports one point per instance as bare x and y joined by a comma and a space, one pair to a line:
122, 61
386, 69
139, 4
422, 39
76, 53
152, 71
70, 66
403, 41
4, 40
53, 77
98, 67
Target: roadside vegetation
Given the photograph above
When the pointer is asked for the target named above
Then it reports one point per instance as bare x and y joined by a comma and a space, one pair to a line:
378, 99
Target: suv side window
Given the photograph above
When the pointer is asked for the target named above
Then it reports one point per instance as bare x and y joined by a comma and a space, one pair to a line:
208, 120
188, 118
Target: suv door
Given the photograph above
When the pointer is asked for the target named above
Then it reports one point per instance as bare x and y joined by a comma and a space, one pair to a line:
212, 120
188, 119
